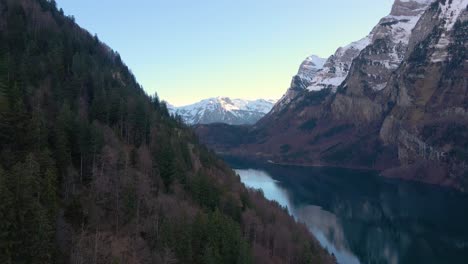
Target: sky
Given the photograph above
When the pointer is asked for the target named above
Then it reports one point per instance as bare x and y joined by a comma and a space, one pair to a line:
188, 50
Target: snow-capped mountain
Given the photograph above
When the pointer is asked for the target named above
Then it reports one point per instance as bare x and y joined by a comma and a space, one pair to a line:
337, 66
389, 45
310, 67
389, 39
224, 110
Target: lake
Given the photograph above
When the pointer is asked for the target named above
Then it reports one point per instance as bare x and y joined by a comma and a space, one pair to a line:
363, 218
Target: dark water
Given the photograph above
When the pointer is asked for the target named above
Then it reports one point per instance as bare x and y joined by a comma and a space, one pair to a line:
363, 218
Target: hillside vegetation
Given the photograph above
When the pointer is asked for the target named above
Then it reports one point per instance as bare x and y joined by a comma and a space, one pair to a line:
93, 170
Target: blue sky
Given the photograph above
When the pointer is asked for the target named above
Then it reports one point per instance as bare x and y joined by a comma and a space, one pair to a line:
188, 50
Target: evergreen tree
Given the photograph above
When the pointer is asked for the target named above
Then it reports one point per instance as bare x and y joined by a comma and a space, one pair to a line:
7, 219
166, 167
62, 143
4, 82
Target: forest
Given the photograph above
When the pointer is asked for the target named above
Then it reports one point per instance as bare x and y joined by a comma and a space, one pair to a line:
94, 170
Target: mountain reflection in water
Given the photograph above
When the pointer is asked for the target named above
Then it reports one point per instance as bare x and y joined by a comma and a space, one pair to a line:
363, 218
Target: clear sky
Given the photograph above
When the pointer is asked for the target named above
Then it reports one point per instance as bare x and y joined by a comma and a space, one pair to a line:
187, 50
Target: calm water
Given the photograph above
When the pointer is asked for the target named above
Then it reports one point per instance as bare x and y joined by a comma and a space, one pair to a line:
363, 218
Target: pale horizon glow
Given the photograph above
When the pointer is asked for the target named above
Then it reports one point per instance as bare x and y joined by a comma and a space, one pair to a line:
189, 50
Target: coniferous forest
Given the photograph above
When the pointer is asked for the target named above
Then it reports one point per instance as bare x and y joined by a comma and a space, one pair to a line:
93, 170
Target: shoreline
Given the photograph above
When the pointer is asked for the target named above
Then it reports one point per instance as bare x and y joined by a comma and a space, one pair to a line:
322, 166
233, 159
306, 165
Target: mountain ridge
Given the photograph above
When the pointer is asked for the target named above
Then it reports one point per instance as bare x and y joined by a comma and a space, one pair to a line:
223, 110
335, 70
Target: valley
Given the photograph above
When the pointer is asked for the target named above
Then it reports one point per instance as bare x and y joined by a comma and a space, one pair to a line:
363, 159
394, 101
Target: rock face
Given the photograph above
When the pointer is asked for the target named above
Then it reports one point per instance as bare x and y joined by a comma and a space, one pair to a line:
429, 124
309, 68
224, 110
386, 43
396, 101
375, 64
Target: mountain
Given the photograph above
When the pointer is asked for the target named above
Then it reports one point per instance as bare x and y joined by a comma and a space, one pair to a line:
308, 70
224, 110
93, 170
395, 101
394, 28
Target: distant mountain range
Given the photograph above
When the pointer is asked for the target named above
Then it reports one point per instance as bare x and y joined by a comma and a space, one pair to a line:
224, 110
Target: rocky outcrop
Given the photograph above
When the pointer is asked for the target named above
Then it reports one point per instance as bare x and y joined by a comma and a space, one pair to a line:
373, 67
306, 73
310, 67
363, 66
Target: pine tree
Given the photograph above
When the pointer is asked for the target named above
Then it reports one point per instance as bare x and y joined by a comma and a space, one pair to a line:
166, 167
62, 143
209, 256
7, 219
3, 78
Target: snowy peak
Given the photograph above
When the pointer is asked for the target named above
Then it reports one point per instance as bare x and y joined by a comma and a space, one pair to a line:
398, 25
260, 105
409, 7
307, 72
389, 45
337, 66
224, 110
311, 66
314, 62
395, 29
388, 42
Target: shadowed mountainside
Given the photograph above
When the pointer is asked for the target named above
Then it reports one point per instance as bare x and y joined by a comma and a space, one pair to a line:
92, 170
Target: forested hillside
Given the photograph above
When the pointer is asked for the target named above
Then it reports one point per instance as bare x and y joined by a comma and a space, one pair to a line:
92, 170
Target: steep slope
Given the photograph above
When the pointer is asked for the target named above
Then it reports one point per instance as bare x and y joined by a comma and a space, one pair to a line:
92, 170
309, 68
401, 108
224, 110
388, 39
429, 122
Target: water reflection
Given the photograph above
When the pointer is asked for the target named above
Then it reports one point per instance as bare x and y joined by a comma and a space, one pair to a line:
324, 225
328, 230
258, 179
363, 218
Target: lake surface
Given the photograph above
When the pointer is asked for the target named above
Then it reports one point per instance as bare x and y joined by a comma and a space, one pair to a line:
363, 218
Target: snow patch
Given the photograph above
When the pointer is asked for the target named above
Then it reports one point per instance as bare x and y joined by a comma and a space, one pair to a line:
450, 12
337, 66
418, 1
